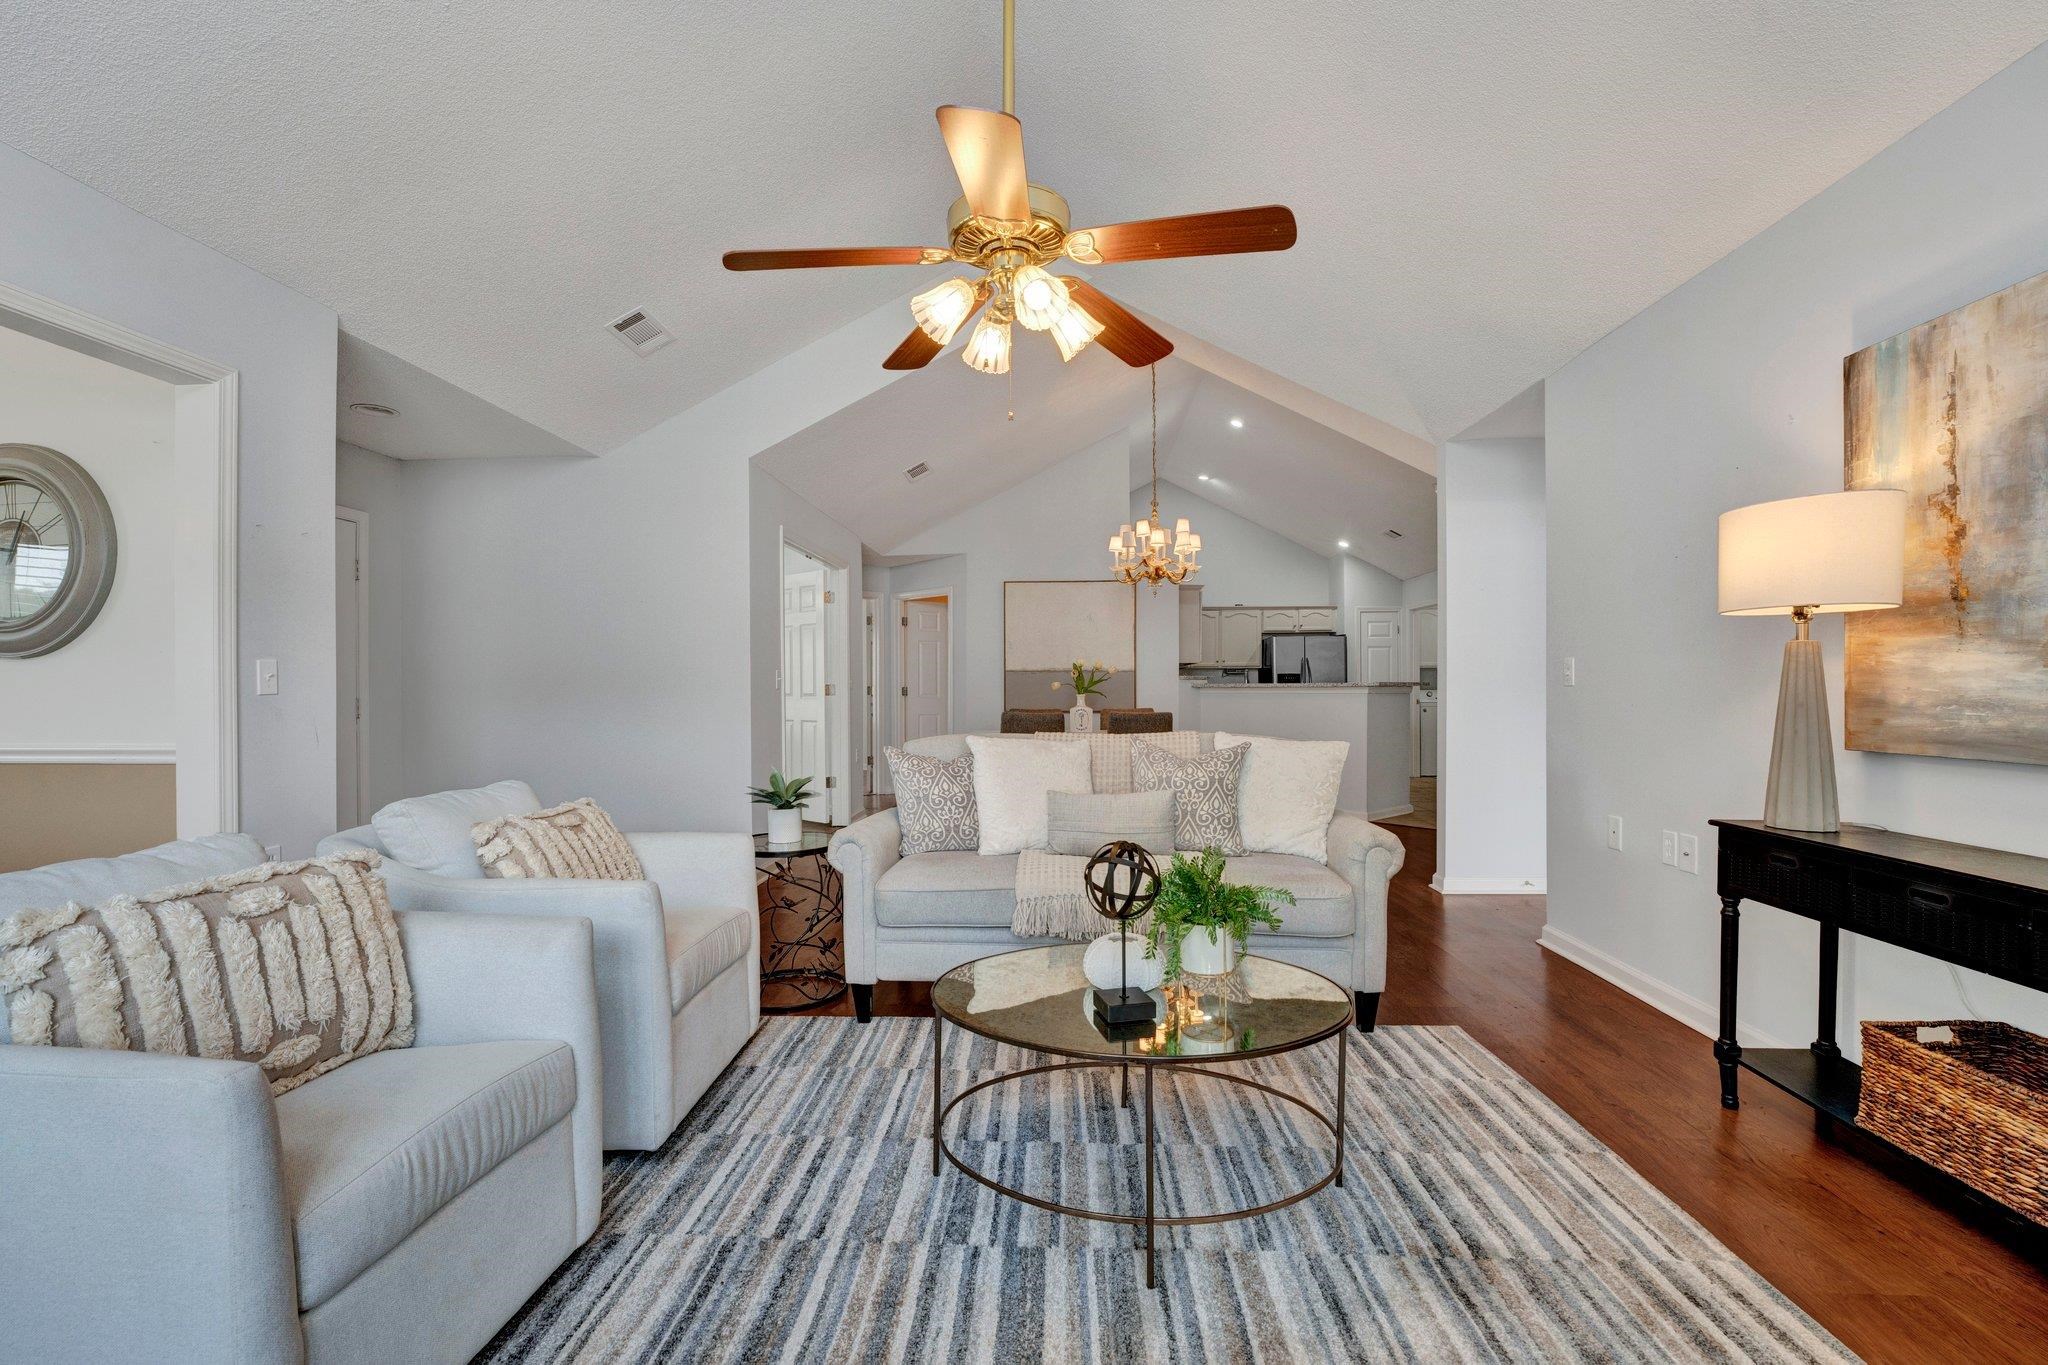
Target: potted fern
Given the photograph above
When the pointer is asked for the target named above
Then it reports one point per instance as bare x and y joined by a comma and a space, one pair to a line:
784, 799
1200, 922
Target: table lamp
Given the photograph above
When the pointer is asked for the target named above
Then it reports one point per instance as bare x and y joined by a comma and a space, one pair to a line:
1797, 557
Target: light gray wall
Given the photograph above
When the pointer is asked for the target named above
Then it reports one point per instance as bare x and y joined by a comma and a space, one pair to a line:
374, 484
1728, 392
1490, 805
1242, 561
66, 242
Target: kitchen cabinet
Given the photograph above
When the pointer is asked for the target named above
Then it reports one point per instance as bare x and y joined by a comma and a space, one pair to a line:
1238, 631
1281, 618
1212, 637
1229, 636
1317, 618
1191, 626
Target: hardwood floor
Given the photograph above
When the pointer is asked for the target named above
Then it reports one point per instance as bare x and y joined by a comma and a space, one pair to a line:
1896, 1276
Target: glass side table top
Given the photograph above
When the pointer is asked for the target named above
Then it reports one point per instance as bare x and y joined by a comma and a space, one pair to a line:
1038, 998
813, 841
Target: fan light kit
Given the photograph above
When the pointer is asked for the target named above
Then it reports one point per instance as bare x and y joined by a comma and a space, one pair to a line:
1010, 230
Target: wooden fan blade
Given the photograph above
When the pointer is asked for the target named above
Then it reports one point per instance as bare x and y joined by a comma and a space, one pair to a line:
917, 349
812, 258
987, 148
1126, 338
1269, 228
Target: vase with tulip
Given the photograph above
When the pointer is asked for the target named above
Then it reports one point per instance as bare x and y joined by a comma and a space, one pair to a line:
1087, 681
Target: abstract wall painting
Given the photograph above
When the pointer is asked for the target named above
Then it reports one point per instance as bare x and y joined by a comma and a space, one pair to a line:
1955, 412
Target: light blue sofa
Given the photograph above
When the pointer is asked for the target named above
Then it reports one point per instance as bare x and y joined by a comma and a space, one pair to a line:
678, 955
400, 1208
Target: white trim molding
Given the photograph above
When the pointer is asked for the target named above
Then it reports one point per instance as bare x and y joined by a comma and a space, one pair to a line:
1689, 1010
90, 753
1488, 886
1389, 813
205, 440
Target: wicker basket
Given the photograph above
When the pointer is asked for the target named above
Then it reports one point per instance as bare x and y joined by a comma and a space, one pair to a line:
1976, 1107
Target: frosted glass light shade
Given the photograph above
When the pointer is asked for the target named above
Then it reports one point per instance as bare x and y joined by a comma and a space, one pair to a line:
988, 349
1037, 296
941, 309
1073, 329
1830, 552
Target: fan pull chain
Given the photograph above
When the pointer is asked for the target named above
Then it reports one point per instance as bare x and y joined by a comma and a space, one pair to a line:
1010, 378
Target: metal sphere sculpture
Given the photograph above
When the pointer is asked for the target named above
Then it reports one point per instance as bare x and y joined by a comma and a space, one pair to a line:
1122, 880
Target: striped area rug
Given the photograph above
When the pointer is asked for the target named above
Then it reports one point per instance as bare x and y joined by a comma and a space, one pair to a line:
794, 1217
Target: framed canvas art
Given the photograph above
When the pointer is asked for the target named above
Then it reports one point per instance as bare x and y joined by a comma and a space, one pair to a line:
1955, 412
1047, 624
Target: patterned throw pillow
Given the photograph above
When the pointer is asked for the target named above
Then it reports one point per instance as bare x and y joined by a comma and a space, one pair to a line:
935, 802
294, 966
573, 840
1204, 794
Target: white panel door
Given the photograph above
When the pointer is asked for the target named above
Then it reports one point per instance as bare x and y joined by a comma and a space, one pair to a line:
1379, 645
926, 657
1239, 629
805, 751
348, 663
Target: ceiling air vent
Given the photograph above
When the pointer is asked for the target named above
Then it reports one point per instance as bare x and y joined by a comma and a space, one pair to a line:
1391, 534
641, 332
917, 471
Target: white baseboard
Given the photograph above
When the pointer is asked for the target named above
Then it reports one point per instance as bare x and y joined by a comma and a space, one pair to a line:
90, 753
1389, 813
1689, 1010
1488, 886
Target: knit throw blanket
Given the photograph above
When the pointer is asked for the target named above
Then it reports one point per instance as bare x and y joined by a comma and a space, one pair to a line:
1052, 897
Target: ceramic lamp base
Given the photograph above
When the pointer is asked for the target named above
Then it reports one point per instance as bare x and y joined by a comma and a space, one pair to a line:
1801, 793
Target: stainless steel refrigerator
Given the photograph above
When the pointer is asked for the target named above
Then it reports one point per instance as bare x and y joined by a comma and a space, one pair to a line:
1302, 657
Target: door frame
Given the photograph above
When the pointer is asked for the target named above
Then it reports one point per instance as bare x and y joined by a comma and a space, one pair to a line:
362, 522
903, 601
838, 616
871, 605
206, 458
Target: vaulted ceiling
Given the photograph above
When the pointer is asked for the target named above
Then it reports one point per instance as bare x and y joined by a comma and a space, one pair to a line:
1483, 188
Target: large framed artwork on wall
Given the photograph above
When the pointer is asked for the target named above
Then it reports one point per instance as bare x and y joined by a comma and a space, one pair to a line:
1047, 624
1955, 412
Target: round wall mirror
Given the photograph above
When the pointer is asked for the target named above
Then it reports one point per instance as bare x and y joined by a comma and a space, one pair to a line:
56, 550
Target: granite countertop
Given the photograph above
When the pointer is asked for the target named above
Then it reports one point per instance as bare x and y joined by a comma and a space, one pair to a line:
1304, 687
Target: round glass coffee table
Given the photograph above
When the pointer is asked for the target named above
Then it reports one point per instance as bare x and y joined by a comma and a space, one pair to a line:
1038, 999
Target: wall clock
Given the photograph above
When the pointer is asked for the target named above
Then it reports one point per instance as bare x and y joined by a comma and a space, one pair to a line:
56, 550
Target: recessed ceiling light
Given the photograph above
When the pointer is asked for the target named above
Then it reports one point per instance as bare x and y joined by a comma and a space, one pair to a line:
374, 409
1203, 477
1237, 422
1343, 544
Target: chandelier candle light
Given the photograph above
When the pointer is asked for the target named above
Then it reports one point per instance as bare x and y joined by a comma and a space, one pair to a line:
1145, 553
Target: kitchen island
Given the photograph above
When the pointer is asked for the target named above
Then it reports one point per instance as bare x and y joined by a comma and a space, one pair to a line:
1374, 717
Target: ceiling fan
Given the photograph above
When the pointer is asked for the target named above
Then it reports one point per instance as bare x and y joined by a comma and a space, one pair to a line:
1011, 230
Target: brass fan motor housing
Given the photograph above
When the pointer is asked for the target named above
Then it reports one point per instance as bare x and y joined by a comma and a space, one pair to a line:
987, 241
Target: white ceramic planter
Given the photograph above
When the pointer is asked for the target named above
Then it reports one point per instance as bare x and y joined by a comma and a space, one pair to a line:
1081, 718
785, 826
1200, 957
1104, 970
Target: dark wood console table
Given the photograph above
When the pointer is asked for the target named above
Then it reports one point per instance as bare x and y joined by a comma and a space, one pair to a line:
1976, 907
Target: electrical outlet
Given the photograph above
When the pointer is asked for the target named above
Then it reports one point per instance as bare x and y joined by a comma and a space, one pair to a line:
1667, 848
1614, 832
1571, 672
273, 852
1689, 853
266, 677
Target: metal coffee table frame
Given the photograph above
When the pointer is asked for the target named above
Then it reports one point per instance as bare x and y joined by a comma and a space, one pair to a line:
1151, 1219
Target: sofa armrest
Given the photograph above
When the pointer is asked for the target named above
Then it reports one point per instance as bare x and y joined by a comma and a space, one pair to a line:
1366, 856
699, 869
145, 1210
631, 962
487, 978
862, 852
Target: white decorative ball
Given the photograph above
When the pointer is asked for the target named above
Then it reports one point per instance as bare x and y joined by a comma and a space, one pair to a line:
1111, 955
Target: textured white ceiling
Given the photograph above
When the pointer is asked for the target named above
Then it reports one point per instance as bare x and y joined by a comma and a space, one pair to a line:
435, 420
478, 186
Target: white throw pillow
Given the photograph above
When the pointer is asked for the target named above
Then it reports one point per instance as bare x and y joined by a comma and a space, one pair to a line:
1288, 793
1011, 780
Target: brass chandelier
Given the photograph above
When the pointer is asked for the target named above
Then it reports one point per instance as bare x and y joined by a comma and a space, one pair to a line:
1144, 553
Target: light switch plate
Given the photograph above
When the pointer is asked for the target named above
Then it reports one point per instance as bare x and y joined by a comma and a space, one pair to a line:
266, 677
1689, 853
1614, 832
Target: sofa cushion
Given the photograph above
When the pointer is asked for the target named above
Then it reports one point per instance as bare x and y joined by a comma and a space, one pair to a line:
1109, 755
92, 880
701, 944
934, 801
1079, 823
948, 890
1323, 905
1204, 794
576, 839
1288, 793
375, 1149
431, 833
1012, 778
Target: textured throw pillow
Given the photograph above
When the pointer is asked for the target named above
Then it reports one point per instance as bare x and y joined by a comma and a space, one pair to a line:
431, 833
1012, 778
1109, 756
294, 966
934, 802
1204, 794
1080, 823
1288, 793
573, 840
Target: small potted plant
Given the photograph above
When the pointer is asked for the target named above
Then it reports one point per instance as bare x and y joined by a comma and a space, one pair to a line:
1086, 680
785, 802
1199, 925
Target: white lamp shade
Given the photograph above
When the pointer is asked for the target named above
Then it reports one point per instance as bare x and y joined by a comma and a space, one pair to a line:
1831, 552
